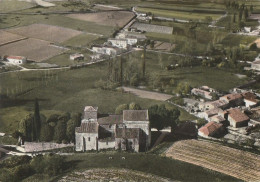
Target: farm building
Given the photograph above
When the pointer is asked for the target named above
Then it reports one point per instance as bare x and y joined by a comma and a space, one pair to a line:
202, 93
130, 131
211, 129
217, 119
236, 117
108, 50
209, 113
77, 57
121, 43
16, 60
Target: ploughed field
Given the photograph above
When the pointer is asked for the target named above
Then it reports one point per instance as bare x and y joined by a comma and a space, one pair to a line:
103, 175
34, 49
6, 37
45, 32
112, 18
240, 164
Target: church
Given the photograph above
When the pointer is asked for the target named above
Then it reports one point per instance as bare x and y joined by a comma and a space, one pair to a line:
128, 132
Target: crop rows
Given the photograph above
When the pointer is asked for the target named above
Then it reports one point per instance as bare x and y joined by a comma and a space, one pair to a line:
240, 164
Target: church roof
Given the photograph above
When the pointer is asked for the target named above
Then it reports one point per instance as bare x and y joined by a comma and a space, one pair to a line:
110, 119
135, 115
88, 127
128, 133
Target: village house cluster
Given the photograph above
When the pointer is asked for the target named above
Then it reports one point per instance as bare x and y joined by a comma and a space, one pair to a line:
230, 117
128, 132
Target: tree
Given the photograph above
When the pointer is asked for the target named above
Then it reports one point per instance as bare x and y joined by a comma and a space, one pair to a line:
36, 126
161, 117
25, 127
183, 88
143, 62
46, 133
134, 106
120, 108
60, 131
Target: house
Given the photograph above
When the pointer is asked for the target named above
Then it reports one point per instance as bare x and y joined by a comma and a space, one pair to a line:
222, 104
130, 131
234, 99
209, 113
256, 65
96, 56
217, 119
250, 99
16, 60
77, 57
120, 43
236, 117
211, 129
202, 93
108, 50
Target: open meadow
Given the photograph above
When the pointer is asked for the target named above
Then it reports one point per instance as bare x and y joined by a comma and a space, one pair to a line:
144, 163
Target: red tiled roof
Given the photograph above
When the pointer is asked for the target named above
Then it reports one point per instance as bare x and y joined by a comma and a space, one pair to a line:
237, 115
231, 97
15, 57
210, 128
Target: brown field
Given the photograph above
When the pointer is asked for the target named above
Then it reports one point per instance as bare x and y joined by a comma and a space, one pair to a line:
112, 18
45, 32
6, 37
148, 94
237, 163
34, 49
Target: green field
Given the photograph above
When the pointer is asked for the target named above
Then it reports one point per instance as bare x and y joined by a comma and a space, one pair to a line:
178, 14
67, 91
14, 5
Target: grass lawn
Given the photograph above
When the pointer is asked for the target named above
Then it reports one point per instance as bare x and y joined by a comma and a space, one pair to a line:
236, 40
147, 163
178, 14
81, 40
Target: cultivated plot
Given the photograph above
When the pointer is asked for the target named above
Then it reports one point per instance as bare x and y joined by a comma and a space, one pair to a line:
152, 28
237, 163
6, 37
33, 49
112, 18
46, 32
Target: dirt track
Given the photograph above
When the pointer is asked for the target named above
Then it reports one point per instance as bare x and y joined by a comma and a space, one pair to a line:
148, 94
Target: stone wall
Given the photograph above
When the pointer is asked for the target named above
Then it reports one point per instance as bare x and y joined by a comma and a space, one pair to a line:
106, 145
144, 126
86, 141
42, 146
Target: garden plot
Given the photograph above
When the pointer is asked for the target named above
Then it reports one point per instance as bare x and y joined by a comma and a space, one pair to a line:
32, 49
112, 18
152, 28
6, 37
46, 32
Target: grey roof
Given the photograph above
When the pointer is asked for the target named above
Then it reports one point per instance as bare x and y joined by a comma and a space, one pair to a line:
110, 119
88, 127
129, 133
135, 115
